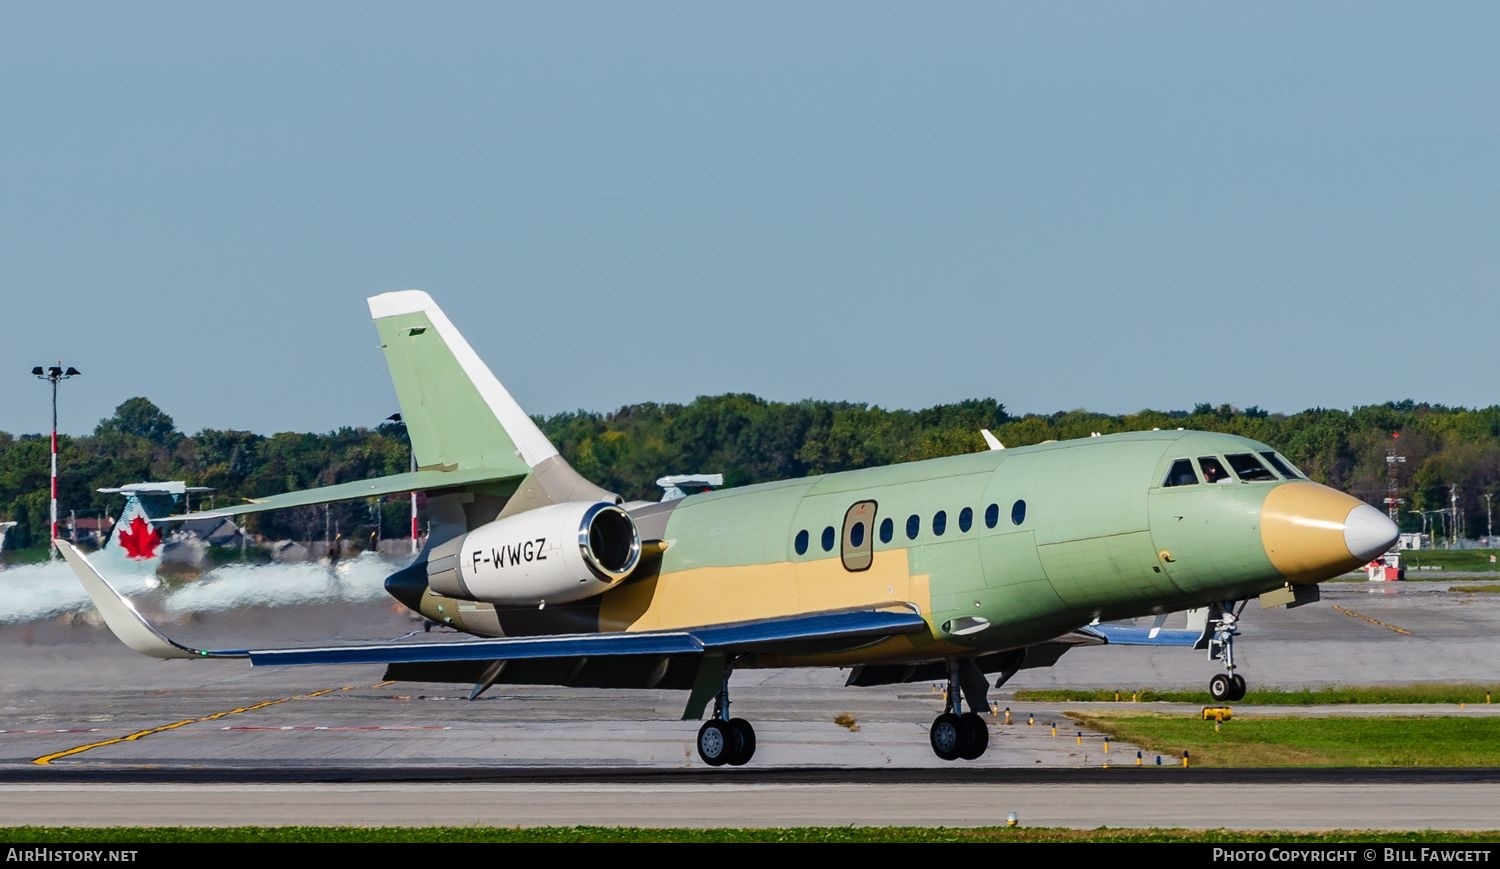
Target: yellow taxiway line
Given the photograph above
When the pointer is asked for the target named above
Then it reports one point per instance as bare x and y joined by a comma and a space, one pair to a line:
1376, 622
47, 759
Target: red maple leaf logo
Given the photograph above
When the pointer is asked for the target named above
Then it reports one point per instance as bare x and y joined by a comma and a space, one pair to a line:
139, 539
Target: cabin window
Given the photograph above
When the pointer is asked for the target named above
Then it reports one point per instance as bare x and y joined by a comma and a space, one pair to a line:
992, 516
1213, 470
913, 525
800, 544
1283, 466
857, 535
828, 539
1249, 468
939, 523
887, 530
965, 520
1018, 512
1182, 474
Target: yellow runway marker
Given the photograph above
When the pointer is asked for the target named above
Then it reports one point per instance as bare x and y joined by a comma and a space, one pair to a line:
1376, 622
46, 759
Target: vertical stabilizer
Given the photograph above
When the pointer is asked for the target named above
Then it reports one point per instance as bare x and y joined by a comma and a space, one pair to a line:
135, 543
456, 412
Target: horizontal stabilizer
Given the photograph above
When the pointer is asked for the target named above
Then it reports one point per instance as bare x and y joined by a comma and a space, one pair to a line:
414, 481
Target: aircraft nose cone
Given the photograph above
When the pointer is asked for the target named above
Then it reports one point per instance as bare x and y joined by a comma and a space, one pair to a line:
1312, 533
1368, 532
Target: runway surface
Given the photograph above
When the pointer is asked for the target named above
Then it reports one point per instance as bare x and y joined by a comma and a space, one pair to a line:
124, 739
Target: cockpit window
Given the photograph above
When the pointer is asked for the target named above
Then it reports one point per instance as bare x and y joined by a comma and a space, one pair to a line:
1283, 466
1182, 474
1213, 470
1249, 467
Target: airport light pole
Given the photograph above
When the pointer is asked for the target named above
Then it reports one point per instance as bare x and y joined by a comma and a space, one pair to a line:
396, 418
54, 374
1453, 524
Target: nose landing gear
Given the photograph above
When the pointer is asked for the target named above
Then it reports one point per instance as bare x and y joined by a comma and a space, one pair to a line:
1223, 627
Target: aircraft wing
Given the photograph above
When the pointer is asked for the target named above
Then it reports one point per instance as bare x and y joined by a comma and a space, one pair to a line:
1123, 635
414, 481
764, 635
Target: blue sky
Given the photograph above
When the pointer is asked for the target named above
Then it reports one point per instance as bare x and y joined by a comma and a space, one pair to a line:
1109, 206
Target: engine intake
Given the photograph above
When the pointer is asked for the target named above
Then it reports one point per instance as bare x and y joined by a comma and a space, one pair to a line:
556, 554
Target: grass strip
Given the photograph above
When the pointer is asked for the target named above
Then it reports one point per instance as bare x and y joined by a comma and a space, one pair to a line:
1280, 741
1453, 693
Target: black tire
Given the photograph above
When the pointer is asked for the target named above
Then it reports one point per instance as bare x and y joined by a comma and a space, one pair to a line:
1221, 687
1239, 687
950, 736
979, 735
744, 742
716, 742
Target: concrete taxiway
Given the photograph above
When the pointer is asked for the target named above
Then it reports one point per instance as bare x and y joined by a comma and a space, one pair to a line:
338, 745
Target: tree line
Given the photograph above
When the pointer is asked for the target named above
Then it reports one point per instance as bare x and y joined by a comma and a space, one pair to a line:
746, 438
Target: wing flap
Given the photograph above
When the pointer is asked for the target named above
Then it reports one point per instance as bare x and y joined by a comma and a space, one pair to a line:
507, 649
1121, 635
767, 635
757, 636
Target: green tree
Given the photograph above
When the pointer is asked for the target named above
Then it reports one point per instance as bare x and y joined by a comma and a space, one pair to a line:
138, 417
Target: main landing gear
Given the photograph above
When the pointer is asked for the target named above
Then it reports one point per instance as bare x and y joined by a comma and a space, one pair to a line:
958, 734
1223, 627
722, 739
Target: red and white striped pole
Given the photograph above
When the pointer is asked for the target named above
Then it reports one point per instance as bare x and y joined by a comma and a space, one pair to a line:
414, 505
54, 471
54, 375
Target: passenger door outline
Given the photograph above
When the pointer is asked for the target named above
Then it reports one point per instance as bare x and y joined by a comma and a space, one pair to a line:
858, 556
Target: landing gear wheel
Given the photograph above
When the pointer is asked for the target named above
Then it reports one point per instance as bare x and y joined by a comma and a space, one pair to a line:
1239, 687
716, 742
979, 735
951, 736
1221, 687
744, 742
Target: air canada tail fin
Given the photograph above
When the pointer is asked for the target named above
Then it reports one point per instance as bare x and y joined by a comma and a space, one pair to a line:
458, 415
134, 546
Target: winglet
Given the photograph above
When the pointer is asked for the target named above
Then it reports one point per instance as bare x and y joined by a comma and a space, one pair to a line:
991, 440
121, 615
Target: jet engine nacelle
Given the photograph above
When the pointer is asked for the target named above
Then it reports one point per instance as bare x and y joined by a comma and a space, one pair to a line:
554, 554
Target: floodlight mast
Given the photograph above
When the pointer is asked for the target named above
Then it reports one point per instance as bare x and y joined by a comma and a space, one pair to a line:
54, 374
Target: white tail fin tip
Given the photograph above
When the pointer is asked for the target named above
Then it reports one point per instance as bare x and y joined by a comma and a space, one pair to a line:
400, 302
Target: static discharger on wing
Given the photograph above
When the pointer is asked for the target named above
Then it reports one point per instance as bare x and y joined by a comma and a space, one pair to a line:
963, 569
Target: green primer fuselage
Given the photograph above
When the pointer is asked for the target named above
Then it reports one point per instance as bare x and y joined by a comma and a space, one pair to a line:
1099, 538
